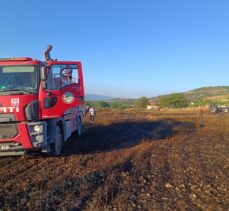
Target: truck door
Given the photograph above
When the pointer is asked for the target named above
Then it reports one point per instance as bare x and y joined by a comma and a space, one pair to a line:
64, 91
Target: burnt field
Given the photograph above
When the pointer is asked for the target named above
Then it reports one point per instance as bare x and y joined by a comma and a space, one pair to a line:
127, 161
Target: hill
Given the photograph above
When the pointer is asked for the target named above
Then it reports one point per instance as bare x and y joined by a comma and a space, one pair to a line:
204, 94
201, 96
95, 97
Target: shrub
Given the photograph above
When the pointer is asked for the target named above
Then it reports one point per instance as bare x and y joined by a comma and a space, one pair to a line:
141, 103
174, 101
102, 104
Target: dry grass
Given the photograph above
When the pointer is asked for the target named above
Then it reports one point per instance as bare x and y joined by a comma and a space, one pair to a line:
128, 161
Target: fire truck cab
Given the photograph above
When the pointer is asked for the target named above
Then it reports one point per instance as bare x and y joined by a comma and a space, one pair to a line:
41, 104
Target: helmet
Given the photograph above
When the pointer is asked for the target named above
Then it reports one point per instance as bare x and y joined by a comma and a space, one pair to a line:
64, 73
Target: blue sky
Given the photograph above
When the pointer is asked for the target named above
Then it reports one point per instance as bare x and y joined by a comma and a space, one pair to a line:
128, 48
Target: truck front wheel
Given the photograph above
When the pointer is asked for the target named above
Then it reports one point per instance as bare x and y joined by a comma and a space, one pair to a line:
57, 145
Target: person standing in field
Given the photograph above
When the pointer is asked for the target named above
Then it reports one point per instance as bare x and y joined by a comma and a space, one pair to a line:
46, 55
92, 113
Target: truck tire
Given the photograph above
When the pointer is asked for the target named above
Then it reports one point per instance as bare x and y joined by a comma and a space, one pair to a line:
58, 142
79, 126
212, 109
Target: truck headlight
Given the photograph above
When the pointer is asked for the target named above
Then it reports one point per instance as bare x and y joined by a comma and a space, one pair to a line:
38, 128
39, 138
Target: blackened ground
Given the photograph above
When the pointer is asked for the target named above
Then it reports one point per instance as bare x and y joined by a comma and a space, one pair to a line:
127, 162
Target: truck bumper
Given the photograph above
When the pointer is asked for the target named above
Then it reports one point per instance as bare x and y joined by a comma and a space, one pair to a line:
16, 138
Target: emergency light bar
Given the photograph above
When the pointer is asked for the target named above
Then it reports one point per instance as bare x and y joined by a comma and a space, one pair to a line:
16, 59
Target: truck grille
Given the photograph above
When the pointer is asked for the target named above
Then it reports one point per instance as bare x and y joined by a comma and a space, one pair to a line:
8, 130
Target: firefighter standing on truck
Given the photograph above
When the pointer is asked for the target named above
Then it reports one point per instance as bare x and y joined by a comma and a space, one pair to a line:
46, 55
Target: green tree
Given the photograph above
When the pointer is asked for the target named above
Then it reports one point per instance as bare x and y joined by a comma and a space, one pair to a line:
141, 103
174, 101
102, 104
118, 105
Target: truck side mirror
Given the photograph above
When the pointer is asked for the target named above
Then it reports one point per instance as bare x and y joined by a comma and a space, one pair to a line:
43, 73
43, 77
44, 84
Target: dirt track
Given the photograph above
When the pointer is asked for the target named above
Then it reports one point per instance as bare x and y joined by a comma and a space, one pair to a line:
127, 162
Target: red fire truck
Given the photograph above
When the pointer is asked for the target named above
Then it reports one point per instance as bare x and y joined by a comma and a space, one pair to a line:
41, 104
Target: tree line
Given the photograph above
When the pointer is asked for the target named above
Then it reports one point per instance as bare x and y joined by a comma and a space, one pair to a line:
177, 100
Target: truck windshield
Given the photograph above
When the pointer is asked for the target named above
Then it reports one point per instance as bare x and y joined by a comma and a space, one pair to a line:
18, 78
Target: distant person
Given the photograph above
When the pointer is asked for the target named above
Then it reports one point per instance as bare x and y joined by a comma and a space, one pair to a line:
92, 113
46, 55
